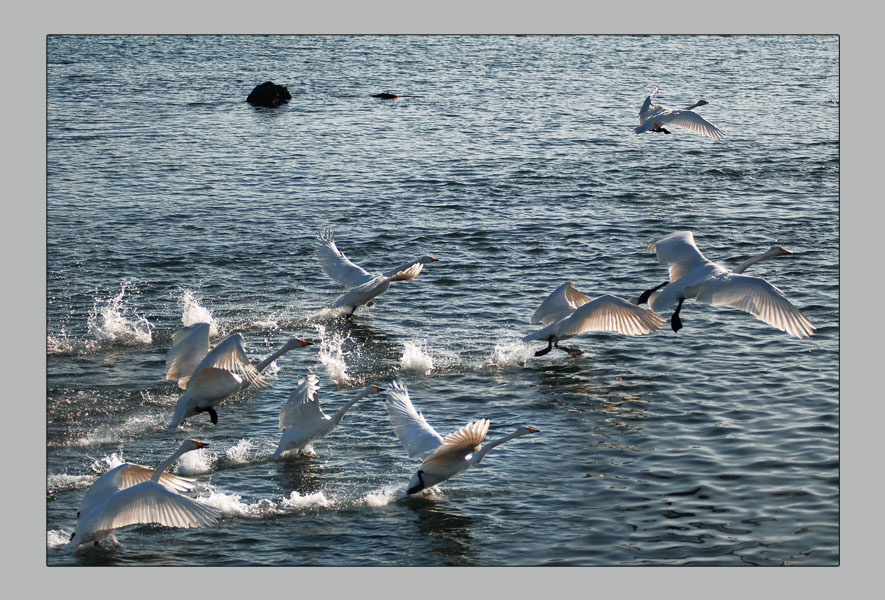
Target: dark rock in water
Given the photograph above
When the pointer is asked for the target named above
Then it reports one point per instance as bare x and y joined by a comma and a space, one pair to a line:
269, 94
385, 96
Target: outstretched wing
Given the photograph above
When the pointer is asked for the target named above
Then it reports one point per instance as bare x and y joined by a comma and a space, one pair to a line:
759, 298
679, 251
150, 502
125, 476
609, 313
646, 107
460, 443
189, 346
418, 437
688, 119
336, 265
302, 404
560, 303
229, 355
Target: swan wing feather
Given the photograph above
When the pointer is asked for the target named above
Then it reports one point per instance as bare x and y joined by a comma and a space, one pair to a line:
462, 442
229, 355
560, 303
759, 298
405, 272
303, 404
336, 265
679, 251
150, 502
688, 119
412, 429
610, 313
189, 346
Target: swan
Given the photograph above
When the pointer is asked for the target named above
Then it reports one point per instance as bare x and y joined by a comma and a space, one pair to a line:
653, 117
694, 276
775, 250
146, 501
362, 285
303, 421
443, 458
220, 374
566, 312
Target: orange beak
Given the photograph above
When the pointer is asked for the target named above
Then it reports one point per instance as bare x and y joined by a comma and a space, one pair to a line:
532, 430
199, 444
305, 343
379, 389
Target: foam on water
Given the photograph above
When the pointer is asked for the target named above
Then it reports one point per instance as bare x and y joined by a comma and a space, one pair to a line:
196, 462
416, 359
192, 312
114, 321
513, 353
132, 426
238, 453
233, 505
384, 496
56, 538
331, 355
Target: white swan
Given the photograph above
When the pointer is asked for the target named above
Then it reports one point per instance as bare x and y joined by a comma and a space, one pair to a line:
220, 374
442, 457
303, 421
147, 501
653, 117
694, 276
362, 285
567, 312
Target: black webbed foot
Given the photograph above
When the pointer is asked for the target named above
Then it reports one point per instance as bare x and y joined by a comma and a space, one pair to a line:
547, 349
213, 416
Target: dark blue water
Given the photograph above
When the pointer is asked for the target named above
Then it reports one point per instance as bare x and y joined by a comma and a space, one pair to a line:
513, 161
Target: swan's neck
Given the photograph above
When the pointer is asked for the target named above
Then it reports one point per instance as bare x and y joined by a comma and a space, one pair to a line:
339, 414
695, 105
161, 468
480, 454
263, 364
750, 261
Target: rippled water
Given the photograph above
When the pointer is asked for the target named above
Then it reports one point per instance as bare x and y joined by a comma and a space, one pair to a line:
512, 160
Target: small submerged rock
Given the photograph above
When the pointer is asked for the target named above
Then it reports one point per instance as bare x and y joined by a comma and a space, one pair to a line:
269, 94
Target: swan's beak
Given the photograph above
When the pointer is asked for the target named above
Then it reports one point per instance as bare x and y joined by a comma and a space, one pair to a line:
433, 259
305, 343
379, 389
532, 430
199, 444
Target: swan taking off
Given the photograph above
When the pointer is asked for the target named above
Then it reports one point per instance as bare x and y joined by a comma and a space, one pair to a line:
220, 374
126, 497
303, 421
567, 312
443, 458
189, 346
653, 117
694, 276
363, 285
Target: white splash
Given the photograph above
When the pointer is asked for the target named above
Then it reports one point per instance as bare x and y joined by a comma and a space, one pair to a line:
510, 354
64, 481
384, 496
192, 312
112, 320
416, 359
56, 538
238, 453
332, 356
134, 425
296, 500
233, 505
194, 463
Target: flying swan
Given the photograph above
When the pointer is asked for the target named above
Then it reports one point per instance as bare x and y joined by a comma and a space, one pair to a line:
363, 286
303, 421
567, 312
653, 117
124, 497
694, 276
443, 458
220, 374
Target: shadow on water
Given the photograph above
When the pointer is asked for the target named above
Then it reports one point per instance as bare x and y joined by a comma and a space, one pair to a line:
299, 473
448, 532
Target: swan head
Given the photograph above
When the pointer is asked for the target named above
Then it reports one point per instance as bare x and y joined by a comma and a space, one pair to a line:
297, 343
777, 250
526, 430
189, 445
427, 259
701, 103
